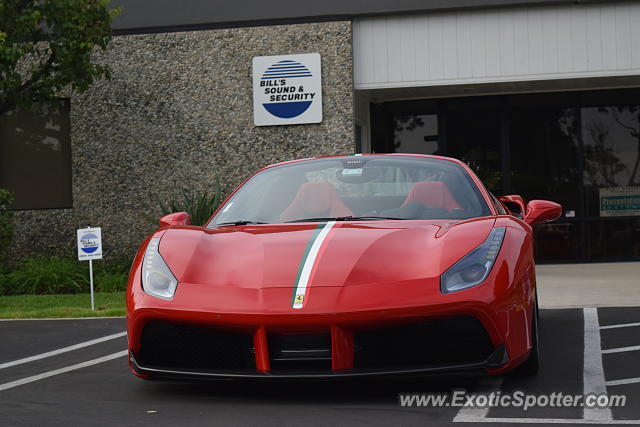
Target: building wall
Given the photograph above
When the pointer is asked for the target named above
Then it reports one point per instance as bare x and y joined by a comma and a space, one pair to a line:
497, 45
176, 114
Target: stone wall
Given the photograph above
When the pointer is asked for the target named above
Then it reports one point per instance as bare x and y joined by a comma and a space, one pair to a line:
178, 113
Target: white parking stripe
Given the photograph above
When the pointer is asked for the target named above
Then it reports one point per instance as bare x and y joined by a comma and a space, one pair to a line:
621, 349
593, 377
48, 374
622, 325
593, 383
61, 350
471, 414
625, 381
62, 318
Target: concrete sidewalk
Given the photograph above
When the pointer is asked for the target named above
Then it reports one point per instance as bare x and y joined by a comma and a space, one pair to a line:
589, 285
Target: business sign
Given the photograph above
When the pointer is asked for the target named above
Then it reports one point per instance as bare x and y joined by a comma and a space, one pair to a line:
620, 201
287, 89
89, 243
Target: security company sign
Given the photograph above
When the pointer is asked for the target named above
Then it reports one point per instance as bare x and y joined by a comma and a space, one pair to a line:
89, 243
287, 89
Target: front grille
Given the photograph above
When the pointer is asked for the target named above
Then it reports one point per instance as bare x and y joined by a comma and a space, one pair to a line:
179, 346
442, 342
300, 353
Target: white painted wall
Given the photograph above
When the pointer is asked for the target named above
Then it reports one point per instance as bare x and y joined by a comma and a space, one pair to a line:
497, 45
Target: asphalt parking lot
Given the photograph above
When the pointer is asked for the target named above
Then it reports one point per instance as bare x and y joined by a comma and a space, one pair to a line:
74, 372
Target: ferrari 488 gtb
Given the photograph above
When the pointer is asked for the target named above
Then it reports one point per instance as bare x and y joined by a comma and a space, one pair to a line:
337, 267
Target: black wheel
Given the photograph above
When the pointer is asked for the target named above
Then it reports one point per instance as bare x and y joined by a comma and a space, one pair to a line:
532, 365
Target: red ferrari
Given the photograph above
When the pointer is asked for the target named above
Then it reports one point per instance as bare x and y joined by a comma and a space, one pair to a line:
344, 266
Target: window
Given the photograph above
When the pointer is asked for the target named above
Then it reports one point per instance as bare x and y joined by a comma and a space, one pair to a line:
35, 158
417, 133
401, 187
580, 149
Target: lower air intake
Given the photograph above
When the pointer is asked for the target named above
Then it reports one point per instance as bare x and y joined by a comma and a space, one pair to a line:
442, 342
178, 346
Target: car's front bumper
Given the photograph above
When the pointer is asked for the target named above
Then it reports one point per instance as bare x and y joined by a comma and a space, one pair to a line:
497, 359
344, 316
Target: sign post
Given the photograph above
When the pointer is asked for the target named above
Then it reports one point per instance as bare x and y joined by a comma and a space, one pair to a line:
90, 248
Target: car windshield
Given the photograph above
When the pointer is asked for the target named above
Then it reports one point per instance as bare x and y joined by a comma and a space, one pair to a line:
355, 187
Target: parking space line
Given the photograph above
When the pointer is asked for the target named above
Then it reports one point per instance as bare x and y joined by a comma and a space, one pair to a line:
593, 377
48, 374
593, 383
622, 325
468, 414
61, 350
61, 318
621, 349
625, 381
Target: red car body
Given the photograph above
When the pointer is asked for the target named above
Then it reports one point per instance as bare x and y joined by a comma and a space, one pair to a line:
375, 285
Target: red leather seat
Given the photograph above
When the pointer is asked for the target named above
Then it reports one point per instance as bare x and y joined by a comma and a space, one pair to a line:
315, 199
434, 194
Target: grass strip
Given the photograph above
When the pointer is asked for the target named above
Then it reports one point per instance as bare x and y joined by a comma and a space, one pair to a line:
62, 305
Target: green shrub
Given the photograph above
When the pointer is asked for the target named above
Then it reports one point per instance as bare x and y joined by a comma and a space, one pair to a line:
55, 275
120, 265
49, 275
6, 226
111, 275
199, 205
5, 286
110, 282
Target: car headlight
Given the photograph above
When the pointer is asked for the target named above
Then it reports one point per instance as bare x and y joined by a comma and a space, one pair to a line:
157, 278
474, 268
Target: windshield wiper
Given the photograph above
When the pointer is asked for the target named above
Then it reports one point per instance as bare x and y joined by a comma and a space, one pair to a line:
328, 218
343, 218
357, 218
243, 222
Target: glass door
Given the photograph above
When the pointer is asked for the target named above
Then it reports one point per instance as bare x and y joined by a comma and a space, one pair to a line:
474, 135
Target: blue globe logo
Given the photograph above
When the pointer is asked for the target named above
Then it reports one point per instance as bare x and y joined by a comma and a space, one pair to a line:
89, 243
283, 70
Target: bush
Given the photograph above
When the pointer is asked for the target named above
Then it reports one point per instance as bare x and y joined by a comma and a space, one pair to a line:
6, 226
55, 275
48, 275
120, 265
199, 205
110, 282
5, 285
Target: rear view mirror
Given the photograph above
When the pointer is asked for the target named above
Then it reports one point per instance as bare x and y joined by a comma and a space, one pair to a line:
515, 204
177, 218
539, 211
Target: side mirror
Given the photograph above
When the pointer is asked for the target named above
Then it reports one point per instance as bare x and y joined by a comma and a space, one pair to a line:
539, 211
178, 218
515, 204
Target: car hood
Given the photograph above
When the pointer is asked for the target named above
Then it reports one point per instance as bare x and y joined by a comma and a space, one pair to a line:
353, 253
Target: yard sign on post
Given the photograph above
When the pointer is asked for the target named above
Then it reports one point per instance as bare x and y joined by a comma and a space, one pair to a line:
90, 248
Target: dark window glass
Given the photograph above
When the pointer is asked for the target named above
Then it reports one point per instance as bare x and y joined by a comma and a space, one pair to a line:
473, 136
611, 136
35, 158
557, 241
544, 155
580, 149
614, 238
544, 165
416, 133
